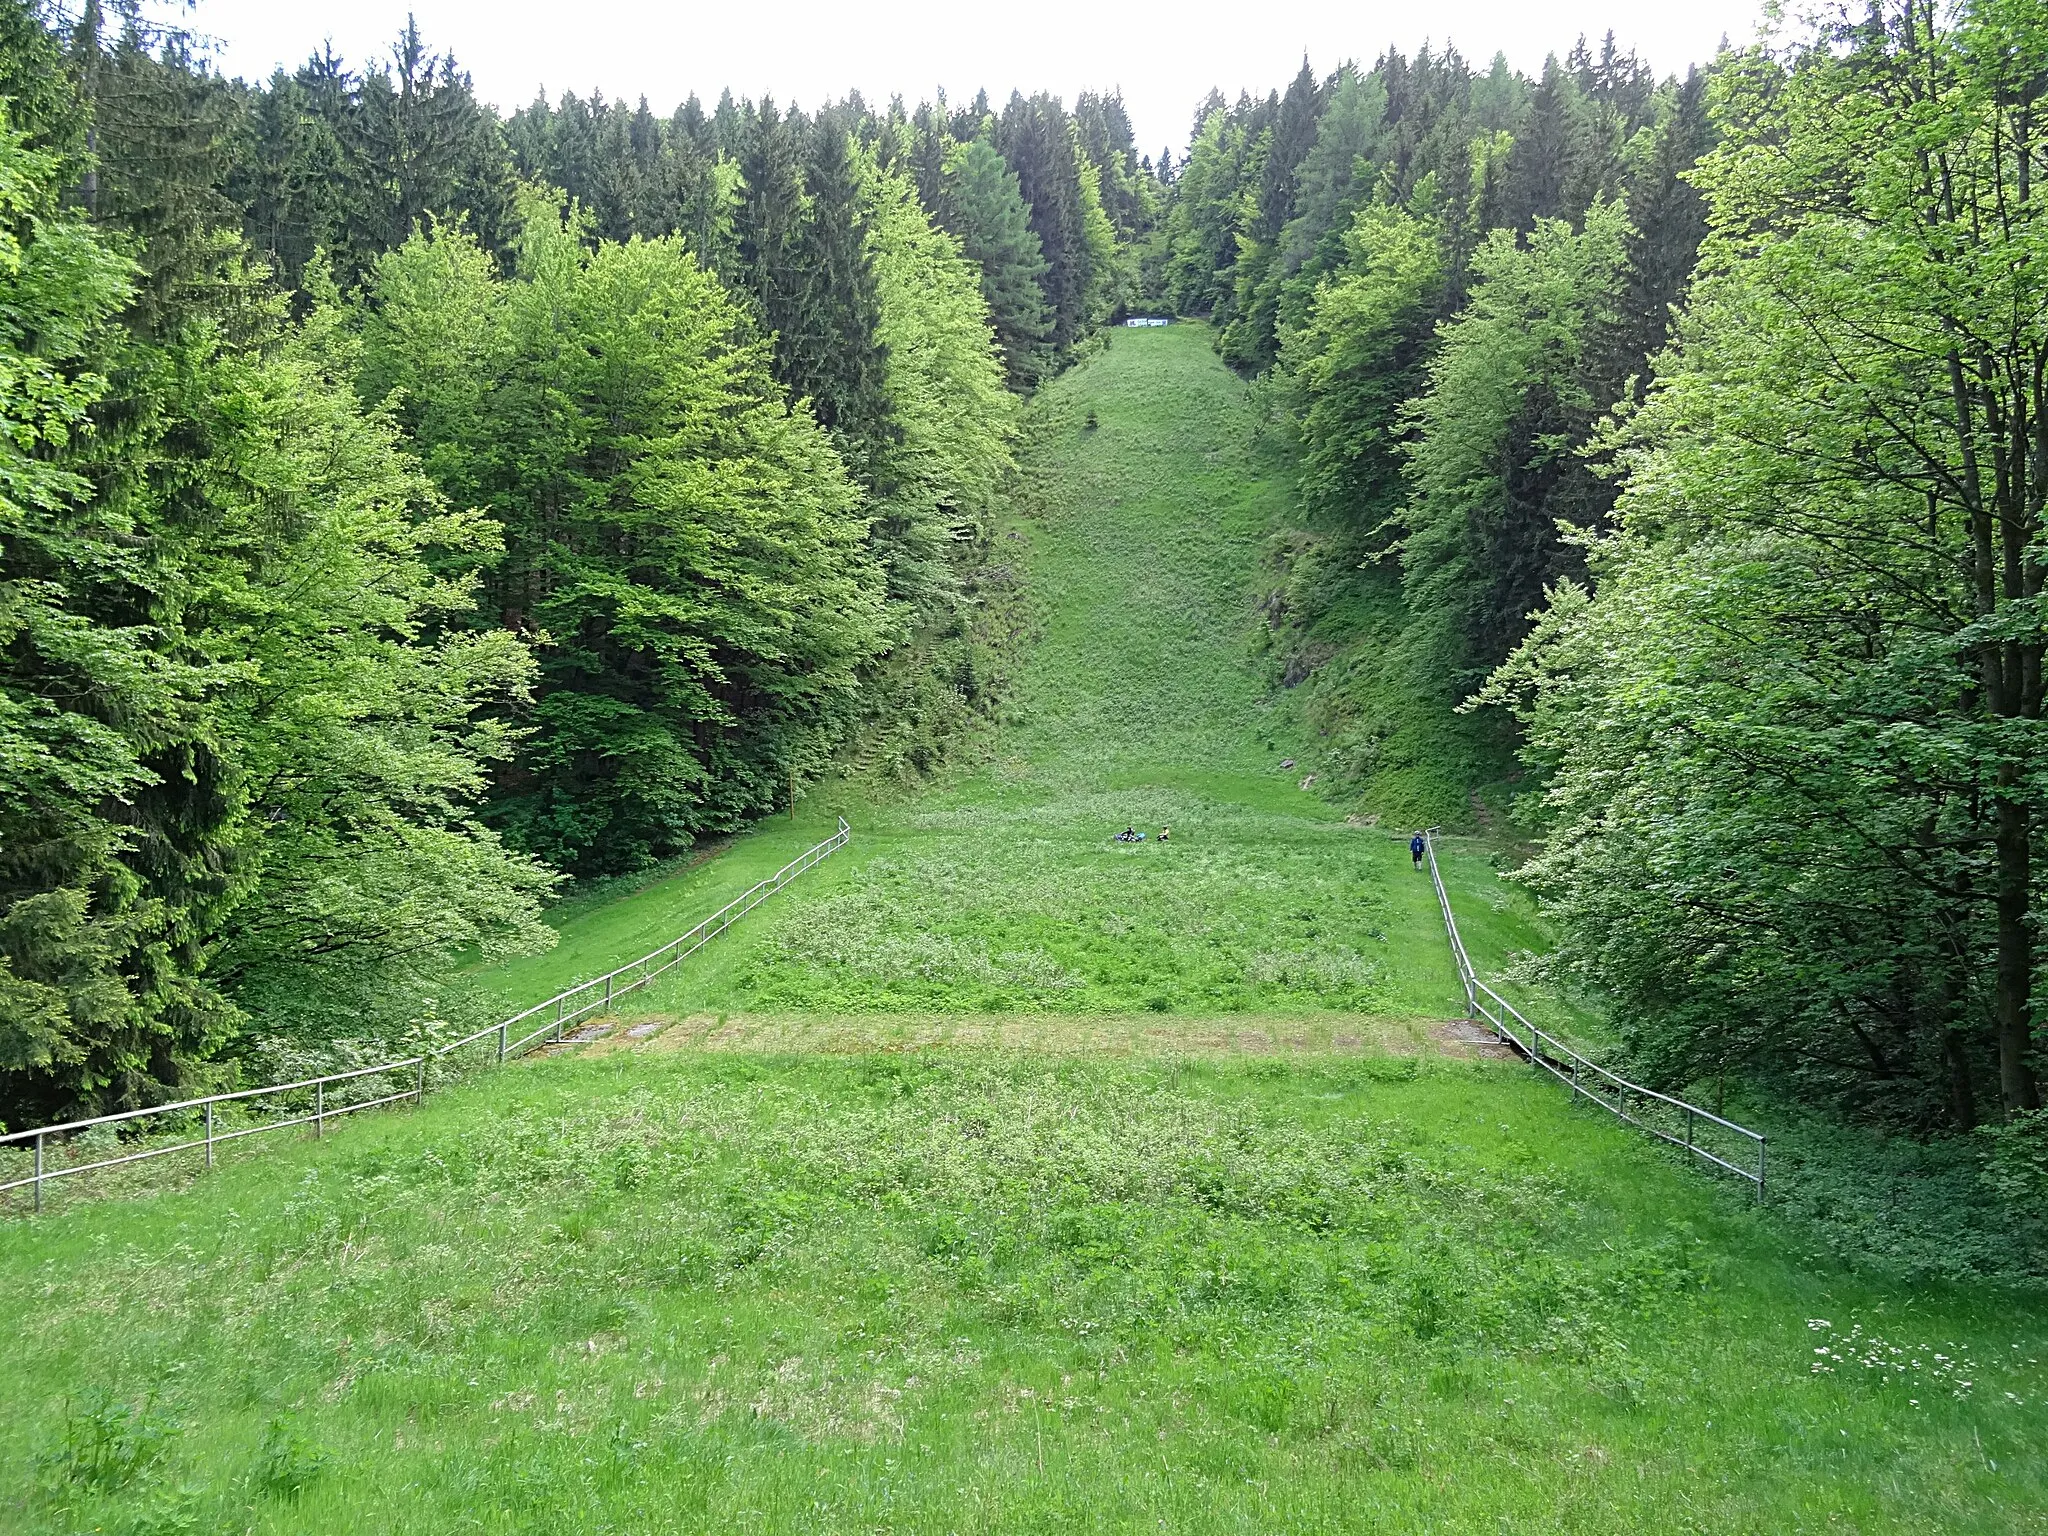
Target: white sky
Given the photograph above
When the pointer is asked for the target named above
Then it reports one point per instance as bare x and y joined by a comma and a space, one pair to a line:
1164, 54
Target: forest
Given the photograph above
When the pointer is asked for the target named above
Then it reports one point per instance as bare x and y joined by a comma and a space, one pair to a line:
410, 508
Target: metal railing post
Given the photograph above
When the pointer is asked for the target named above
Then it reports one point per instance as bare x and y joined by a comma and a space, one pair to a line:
1760, 1170
209, 1133
419, 1089
502, 1026
608, 990
39, 1173
319, 1110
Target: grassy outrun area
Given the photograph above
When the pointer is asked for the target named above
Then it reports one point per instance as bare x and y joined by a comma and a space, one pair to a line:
999, 1177
987, 1291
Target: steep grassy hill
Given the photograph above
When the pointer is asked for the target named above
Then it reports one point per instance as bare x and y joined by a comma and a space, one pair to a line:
1142, 527
1188, 1225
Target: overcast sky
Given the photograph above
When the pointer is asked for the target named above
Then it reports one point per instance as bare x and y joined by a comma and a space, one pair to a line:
1164, 56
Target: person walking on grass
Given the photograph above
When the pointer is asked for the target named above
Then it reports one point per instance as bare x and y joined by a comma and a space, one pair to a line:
1415, 849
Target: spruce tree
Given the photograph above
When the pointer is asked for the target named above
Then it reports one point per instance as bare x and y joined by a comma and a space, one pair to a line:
291, 178
730, 126
1104, 128
414, 126
1533, 180
980, 204
931, 148
838, 360
163, 132
768, 223
1669, 217
1207, 216
1294, 134
1514, 390
617, 188
1036, 139
1328, 180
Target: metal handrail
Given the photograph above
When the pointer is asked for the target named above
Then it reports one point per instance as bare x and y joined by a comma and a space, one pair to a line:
675, 950
1585, 1077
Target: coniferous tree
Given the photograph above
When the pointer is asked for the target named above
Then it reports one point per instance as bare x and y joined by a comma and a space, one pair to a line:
1336, 173
1669, 219
929, 151
425, 148
839, 360
1207, 215
100, 999
690, 126
1035, 137
292, 180
43, 89
729, 127
1251, 339
348, 164
1104, 128
981, 205
162, 133
219, 575
768, 225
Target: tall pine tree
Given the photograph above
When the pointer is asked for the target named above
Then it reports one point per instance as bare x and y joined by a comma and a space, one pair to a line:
981, 204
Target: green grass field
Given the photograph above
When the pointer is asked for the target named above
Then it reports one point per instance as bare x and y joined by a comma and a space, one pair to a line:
998, 1177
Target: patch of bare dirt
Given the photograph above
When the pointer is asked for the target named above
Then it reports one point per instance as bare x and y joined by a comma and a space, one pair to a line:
1147, 1034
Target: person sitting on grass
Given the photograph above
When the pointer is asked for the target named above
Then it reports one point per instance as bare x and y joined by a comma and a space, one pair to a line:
1164, 833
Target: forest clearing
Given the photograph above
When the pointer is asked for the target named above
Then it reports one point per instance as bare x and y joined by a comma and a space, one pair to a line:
997, 1177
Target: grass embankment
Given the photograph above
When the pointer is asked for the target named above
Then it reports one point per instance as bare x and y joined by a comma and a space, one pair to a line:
1217, 1256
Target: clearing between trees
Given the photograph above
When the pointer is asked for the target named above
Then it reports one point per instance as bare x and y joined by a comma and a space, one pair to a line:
999, 1177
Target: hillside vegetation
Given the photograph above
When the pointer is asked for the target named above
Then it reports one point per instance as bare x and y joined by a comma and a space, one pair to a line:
416, 513
1196, 1224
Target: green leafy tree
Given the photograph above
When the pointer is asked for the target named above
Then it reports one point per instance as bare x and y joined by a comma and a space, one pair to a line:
1359, 358
1792, 743
365, 711
1207, 215
949, 464
237, 740
92, 711
1494, 467
693, 553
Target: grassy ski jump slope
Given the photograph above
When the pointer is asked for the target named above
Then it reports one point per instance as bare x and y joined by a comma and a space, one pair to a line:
1003, 892
1190, 1229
